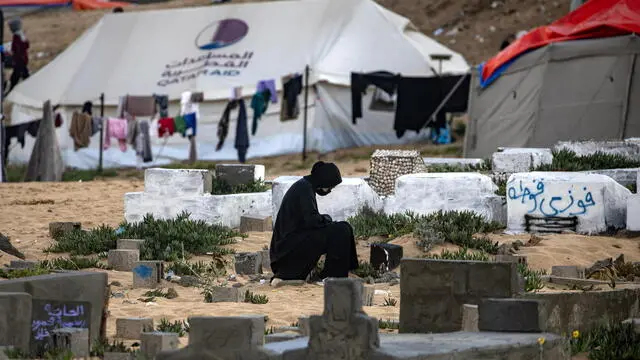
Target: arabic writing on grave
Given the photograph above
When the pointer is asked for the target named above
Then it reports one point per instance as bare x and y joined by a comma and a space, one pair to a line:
568, 204
63, 316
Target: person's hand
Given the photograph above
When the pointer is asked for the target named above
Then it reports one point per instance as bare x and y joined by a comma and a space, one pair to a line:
327, 218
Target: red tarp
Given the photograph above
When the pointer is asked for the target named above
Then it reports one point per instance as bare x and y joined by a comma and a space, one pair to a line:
594, 19
76, 4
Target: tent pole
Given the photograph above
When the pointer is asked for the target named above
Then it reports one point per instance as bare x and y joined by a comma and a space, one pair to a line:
625, 111
306, 104
101, 132
3, 156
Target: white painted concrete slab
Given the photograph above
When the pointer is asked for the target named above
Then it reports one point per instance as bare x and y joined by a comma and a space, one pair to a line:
343, 202
629, 148
597, 200
426, 193
623, 177
214, 209
452, 161
177, 182
513, 160
633, 212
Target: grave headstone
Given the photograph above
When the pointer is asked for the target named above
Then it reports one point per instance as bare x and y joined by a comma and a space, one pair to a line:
253, 222
470, 317
385, 256
132, 328
22, 264
48, 316
15, 320
567, 271
123, 260
152, 343
75, 340
59, 228
129, 244
147, 274
238, 174
227, 294
511, 315
247, 263
266, 260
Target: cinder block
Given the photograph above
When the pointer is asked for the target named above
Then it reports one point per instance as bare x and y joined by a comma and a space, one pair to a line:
237, 174
266, 260
259, 223
280, 337
635, 322
227, 294
518, 259
342, 298
15, 330
75, 340
132, 328
469, 318
433, 291
130, 244
514, 160
59, 228
367, 295
385, 256
303, 324
177, 182
511, 315
154, 342
147, 274
227, 333
247, 263
633, 210
123, 260
567, 271
22, 264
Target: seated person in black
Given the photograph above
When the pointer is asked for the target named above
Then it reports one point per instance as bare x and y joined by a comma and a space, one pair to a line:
301, 234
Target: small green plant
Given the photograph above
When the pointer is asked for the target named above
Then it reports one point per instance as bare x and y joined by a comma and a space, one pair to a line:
608, 340
442, 168
58, 354
198, 268
252, 298
81, 242
458, 228
221, 187
369, 222
100, 346
13, 353
567, 160
532, 278
366, 270
390, 302
388, 324
179, 327
168, 294
502, 187
73, 263
22, 273
460, 254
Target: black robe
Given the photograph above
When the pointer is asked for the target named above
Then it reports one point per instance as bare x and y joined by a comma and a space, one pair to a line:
301, 235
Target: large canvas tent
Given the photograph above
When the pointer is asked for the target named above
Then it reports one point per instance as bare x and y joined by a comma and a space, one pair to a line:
576, 79
166, 52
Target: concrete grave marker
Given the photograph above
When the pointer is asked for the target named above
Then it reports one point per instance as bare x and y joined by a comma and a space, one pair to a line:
49, 316
247, 263
123, 260
147, 274
15, 320
253, 222
75, 340
59, 228
239, 174
130, 244
132, 328
152, 343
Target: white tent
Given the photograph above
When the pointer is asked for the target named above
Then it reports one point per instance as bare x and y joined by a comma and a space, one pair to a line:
134, 53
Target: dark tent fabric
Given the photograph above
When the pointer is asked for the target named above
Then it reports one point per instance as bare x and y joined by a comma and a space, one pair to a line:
594, 19
45, 163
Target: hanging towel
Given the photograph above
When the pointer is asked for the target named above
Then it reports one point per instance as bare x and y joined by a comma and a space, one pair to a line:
190, 122
271, 85
140, 105
259, 104
180, 124
116, 128
223, 124
145, 141
96, 124
166, 126
162, 102
242, 132
80, 130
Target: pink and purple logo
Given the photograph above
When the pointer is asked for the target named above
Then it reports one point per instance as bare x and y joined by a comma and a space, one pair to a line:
221, 34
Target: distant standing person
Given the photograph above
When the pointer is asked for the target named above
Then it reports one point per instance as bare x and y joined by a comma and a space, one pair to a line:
19, 52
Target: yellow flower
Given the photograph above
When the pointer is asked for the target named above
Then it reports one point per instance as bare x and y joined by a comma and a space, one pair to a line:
575, 334
541, 341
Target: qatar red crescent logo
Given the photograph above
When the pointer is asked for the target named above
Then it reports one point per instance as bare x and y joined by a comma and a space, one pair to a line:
221, 34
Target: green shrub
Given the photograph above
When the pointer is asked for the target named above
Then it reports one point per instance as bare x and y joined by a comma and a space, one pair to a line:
366, 270
82, 242
73, 263
608, 341
390, 302
252, 298
441, 168
100, 346
388, 325
460, 254
502, 187
179, 327
458, 228
532, 278
21, 273
368, 222
221, 187
567, 160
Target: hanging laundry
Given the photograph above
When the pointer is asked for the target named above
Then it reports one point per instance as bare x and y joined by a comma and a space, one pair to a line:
121, 105
162, 103
271, 86
190, 125
236, 93
18, 131
418, 98
242, 132
292, 87
116, 128
140, 105
223, 124
459, 100
197, 97
58, 120
145, 141
80, 130
187, 106
381, 101
384, 80
166, 125
180, 124
96, 125
259, 104
132, 130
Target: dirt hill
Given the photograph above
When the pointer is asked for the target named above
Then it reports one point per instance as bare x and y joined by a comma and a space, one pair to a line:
475, 28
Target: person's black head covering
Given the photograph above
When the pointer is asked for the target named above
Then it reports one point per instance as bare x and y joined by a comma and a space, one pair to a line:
118, 9
325, 175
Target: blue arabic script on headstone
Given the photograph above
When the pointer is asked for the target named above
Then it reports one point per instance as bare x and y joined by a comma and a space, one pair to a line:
65, 316
548, 204
143, 271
